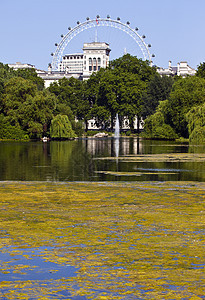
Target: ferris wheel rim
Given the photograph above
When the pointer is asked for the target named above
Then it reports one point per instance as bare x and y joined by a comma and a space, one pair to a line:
99, 22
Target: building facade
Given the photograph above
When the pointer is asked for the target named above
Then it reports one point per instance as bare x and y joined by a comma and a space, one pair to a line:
79, 65
182, 69
96, 56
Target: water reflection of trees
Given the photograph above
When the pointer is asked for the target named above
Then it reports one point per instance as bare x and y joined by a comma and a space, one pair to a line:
73, 160
45, 161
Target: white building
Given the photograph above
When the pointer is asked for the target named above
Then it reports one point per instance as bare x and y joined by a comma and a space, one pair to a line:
182, 69
96, 56
71, 63
79, 65
19, 65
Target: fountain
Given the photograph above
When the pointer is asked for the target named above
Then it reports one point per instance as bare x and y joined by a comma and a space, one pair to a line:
117, 136
117, 127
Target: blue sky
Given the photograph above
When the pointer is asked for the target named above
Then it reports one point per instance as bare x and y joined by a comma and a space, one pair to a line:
30, 28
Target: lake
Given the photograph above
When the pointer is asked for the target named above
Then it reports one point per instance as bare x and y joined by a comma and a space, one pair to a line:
102, 219
98, 160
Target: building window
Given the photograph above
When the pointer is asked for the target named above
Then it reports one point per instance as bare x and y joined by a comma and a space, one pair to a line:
90, 68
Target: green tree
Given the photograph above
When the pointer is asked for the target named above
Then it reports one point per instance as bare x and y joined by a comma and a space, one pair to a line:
155, 125
72, 93
30, 74
201, 70
61, 128
186, 93
132, 64
196, 124
158, 89
27, 108
121, 92
8, 131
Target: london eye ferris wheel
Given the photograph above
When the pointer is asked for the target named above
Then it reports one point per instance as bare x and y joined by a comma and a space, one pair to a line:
138, 41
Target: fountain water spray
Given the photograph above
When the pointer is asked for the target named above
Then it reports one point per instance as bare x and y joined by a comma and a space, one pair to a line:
117, 127
117, 136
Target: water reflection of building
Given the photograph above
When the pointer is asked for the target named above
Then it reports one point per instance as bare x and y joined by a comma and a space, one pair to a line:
106, 146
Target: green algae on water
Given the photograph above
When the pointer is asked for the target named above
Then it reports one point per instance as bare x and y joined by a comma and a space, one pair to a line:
125, 240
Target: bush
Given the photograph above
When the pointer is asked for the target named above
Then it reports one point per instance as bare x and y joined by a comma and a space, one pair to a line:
92, 132
8, 132
61, 128
198, 135
78, 127
196, 124
155, 126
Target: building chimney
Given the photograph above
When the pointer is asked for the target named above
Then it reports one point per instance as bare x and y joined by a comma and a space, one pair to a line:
49, 69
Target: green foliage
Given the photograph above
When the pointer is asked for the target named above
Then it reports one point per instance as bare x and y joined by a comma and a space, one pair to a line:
196, 124
30, 74
186, 93
133, 65
158, 89
78, 127
71, 96
27, 108
101, 115
61, 128
201, 70
6, 72
8, 132
156, 126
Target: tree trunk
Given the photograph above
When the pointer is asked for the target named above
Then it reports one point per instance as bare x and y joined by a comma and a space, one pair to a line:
86, 125
131, 123
138, 124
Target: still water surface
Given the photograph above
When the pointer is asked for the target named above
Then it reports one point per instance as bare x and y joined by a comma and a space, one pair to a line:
78, 161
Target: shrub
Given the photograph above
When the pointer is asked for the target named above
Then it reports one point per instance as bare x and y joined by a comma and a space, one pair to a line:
9, 132
61, 128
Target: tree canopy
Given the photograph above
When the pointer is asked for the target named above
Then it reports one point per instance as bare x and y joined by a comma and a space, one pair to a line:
129, 86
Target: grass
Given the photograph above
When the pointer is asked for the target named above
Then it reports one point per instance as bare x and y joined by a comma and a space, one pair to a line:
126, 240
